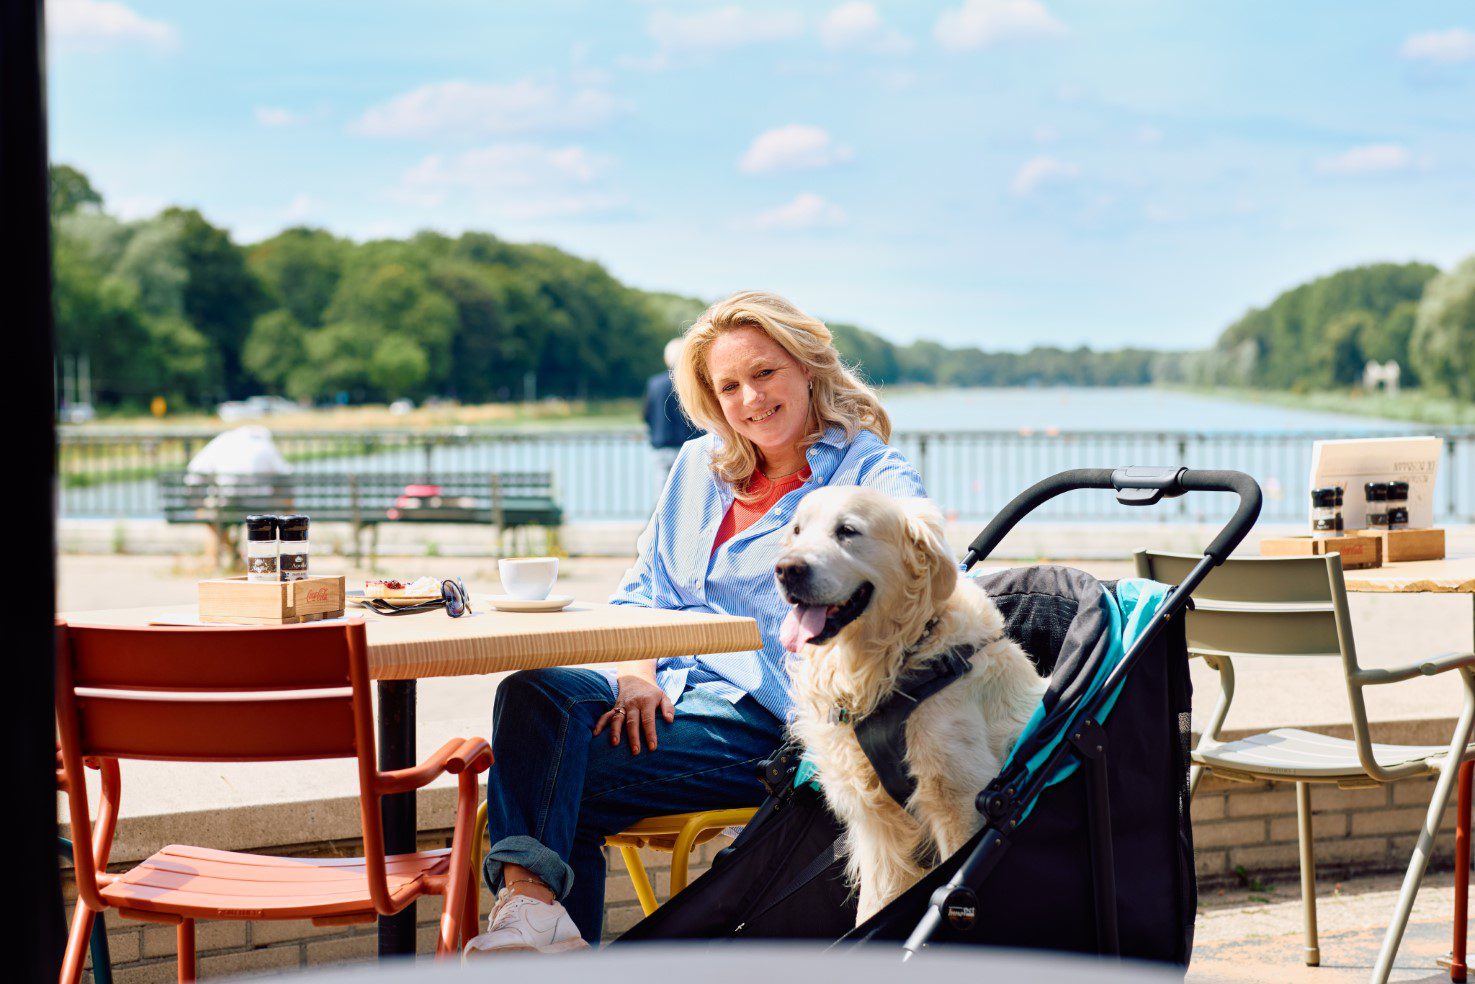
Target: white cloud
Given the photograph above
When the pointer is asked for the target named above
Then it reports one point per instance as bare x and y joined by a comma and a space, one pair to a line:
1441, 47
978, 23
98, 24
131, 207
518, 179
1039, 171
301, 206
793, 147
276, 116
473, 109
806, 211
1369, 159
1045, 134
857, 24
723, 27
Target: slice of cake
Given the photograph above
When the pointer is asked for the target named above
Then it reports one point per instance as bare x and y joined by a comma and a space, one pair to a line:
424, 587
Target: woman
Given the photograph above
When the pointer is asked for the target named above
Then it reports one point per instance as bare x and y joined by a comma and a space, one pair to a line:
582, 754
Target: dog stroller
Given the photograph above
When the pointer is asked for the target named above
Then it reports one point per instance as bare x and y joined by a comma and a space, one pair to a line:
1086, 844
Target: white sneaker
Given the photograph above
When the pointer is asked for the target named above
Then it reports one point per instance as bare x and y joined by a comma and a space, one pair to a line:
521, 923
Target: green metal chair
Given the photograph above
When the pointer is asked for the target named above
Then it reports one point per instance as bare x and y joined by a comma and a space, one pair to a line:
1296, 607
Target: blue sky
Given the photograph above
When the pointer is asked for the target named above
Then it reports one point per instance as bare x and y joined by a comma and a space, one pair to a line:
999, 173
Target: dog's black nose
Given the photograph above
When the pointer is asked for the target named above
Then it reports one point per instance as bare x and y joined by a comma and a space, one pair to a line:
791, 573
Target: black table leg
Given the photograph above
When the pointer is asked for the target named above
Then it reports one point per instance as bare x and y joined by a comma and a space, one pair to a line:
397, 751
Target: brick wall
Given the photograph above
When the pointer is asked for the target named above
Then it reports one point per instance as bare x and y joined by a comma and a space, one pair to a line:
1249, 829
1242, 831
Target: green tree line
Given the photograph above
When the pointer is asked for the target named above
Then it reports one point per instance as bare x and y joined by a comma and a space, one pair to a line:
1319, 335
172, 306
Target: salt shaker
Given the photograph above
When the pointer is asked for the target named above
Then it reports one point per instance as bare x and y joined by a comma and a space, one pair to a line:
293, 547
261, 548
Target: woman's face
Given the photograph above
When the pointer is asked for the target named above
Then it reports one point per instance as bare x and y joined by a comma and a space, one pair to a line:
763, 390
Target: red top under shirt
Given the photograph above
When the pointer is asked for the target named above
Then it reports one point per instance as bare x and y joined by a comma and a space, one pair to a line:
741, 514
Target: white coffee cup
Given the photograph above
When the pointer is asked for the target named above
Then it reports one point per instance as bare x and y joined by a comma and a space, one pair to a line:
528, 578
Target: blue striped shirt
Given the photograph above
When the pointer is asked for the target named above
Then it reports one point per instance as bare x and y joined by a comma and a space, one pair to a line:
678, 569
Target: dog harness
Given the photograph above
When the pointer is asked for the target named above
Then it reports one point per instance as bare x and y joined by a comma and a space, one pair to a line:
883, 733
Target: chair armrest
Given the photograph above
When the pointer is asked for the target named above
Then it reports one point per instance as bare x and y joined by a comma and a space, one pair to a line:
474, 755
1442, 663
416, 776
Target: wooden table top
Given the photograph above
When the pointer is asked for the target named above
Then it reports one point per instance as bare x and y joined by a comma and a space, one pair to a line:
1452, 575
409, 647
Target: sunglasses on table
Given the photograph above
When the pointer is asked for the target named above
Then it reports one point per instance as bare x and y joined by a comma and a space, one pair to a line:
453, 598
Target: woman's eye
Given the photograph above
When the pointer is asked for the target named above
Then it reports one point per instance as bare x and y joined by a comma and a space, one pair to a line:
729, 387
845, 531
764, 372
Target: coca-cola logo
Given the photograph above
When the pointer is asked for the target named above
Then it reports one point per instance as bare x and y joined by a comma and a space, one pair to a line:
316, 593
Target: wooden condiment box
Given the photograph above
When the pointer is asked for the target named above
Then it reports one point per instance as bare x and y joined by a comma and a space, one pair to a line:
1357, 551
1409, 544
237, 601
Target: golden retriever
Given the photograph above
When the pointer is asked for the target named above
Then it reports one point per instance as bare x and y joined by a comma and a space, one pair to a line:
868, 575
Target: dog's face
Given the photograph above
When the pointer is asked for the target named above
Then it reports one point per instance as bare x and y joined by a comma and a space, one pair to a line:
854, 551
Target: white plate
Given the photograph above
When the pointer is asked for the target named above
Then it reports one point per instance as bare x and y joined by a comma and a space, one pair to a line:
552, 603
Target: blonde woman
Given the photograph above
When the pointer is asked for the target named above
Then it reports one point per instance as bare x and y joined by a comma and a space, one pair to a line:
581, 754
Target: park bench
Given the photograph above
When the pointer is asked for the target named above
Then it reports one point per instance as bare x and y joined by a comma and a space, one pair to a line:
507, 501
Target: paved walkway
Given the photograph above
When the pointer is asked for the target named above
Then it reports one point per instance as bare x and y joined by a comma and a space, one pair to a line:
1247, 936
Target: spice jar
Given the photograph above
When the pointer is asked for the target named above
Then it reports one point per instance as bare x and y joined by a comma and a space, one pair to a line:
293, 547
1326, 512
1377, 505
1397, 505
1339, 508
261, 548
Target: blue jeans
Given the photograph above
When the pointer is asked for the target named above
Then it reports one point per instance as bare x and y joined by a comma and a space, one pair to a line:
556, 791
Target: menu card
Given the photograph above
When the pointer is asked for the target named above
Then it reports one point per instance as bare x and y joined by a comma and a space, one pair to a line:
1351, 464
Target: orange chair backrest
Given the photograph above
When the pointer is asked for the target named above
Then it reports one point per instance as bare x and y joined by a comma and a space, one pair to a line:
230, 694
214, 695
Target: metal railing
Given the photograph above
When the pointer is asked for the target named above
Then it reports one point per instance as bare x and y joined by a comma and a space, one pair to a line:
610, 474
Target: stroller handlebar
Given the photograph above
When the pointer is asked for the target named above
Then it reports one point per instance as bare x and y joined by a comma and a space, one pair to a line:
1135, 486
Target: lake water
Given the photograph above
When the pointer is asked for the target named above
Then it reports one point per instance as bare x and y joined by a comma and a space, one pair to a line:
975, 449
1115, 409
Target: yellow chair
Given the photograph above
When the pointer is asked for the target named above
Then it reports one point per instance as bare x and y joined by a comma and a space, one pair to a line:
677, 833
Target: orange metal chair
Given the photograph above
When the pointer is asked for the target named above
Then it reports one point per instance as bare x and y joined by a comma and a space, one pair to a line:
86, 924
187, 694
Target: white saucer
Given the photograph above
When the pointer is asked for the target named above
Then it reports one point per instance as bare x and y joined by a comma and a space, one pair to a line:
552, 603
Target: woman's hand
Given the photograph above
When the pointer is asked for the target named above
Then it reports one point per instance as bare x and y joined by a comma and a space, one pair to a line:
637, 703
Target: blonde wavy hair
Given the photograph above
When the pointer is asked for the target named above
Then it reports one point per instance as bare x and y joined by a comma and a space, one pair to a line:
839, 396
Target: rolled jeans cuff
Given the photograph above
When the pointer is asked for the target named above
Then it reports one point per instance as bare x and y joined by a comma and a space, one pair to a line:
522, 850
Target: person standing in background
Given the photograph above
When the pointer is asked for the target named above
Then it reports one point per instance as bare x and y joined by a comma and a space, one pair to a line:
668, 425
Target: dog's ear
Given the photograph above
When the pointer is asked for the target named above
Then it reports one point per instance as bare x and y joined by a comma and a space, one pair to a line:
924, 531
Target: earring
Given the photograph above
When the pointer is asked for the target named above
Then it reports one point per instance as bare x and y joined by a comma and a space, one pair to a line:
811, 386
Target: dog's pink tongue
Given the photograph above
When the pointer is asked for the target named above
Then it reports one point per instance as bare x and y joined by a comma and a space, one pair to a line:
803, 623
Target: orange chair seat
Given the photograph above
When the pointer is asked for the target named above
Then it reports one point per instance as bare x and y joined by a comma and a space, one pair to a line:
201, 883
